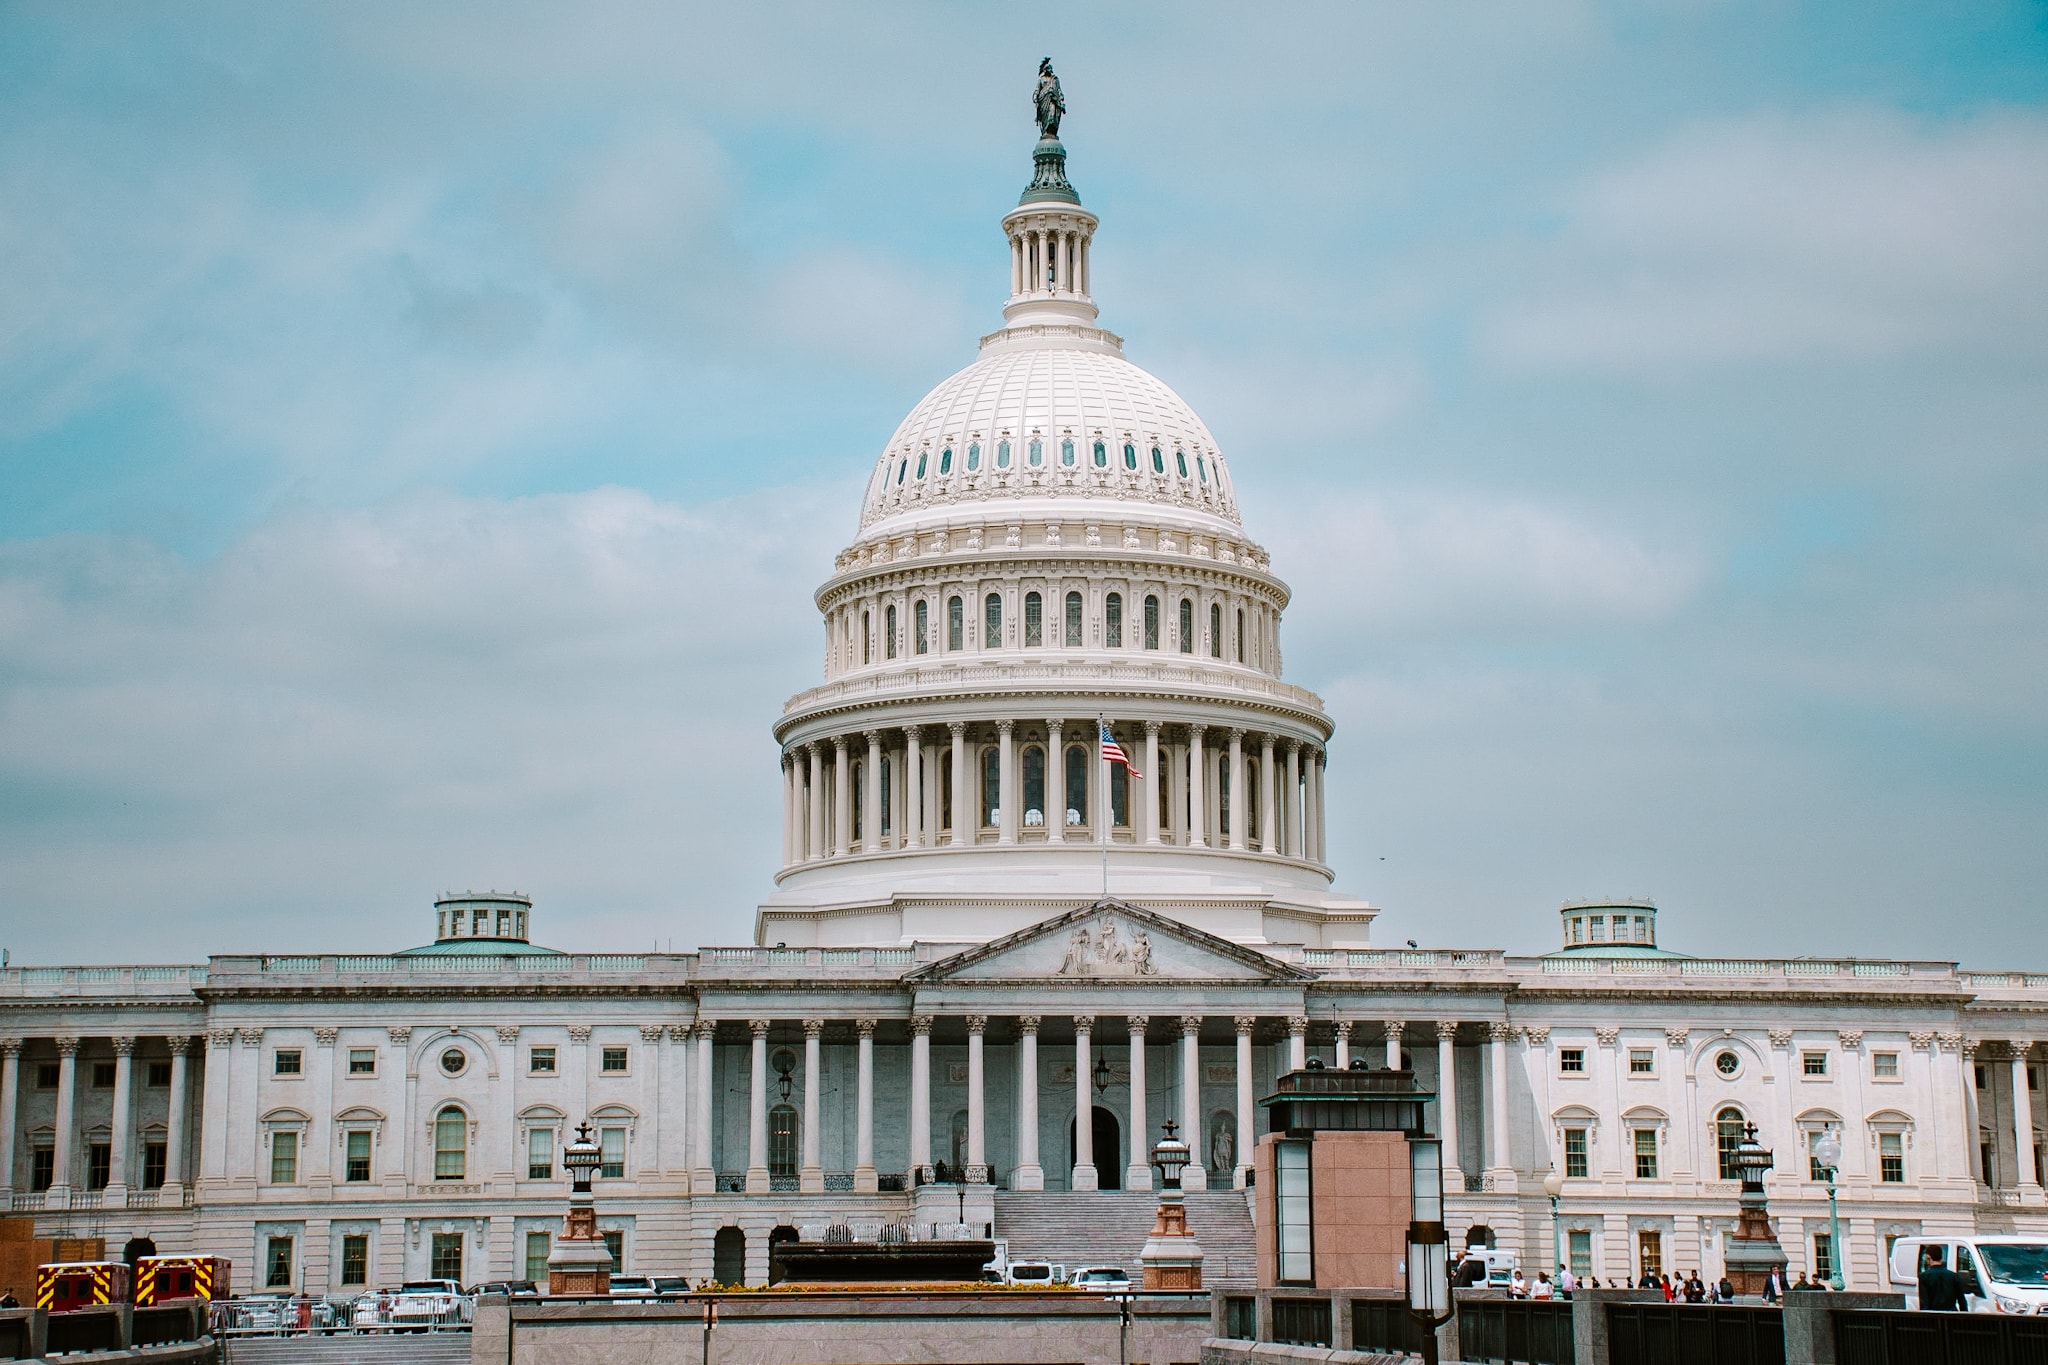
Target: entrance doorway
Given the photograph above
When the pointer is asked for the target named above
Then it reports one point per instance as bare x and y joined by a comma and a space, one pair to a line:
1107, 1136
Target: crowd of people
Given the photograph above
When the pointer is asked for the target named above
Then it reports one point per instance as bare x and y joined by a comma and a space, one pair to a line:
1687, 1288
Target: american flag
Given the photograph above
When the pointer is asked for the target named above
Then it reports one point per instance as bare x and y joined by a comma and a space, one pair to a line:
1113, 752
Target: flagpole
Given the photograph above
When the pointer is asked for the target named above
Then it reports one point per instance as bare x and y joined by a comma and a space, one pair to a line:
1107, 814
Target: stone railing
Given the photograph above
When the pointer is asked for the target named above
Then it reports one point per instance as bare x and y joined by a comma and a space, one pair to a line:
1776, 969
100, 981
2005, 981
313, 970
975, 671
1339, 960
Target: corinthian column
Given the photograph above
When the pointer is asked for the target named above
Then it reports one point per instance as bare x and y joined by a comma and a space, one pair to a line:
10, 1097
1055, 783
864, 1180
966, 819
1269, 838
1138, 1171
842, 799
920, 1097
814, 798
811, 1176
1447, 1102
1084, 1108
67, 1110
757, 1110
1029, 1175
1197, 806
1196, 1176
1150, 821
1006, 781
1237, 789
1246, 1134
1291, 819
977, 1144
124, 1116
912, 835
2023, 1114
871, 803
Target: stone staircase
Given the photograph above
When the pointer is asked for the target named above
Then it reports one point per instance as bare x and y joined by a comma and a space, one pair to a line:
428, 1348
1109, 1227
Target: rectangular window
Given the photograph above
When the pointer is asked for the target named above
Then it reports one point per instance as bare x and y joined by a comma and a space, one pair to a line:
1151, 623
956, 625
615, 1243
1572, 1059
355, 1259
99, 1165
1292, 1217
103, 1075
1575, 1153
1642, 1061
355, 1168
155, 1164
157, 1075
445, 1262
611, 1146
1579, 1252
614, 1061
1113, 621
285, 1062
284, 1158
1891, 1158
1646, 1153
1649, 1252
48, 1074
540, 1154
537, 1257
277, 1263
42, 1168
541, 1061
1813, 1063
920, 615
1885, 1065
362, 1061
1823, 1256
1597, 928
1814, 1169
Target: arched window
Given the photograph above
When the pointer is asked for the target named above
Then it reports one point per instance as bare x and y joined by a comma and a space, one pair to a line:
921, 614
902, 470
1130, 456
1034, 619
1113, 620
1215, 630
1067, 453
1073, 620
955, 622
1034, 786
1158, 461
922, 456
1240, 634
1180, 458
859, 773
1201, 470
1187, 626
1254, 778
946, 797
992, 622
867, 637
973, 456
1078, 759
1002, 455
1221, 763
991, 786
1151, 621
945, 461
1101, 456
887, 776
451, 1144
782, 1140
889, 631
1728, 1137
1037, 453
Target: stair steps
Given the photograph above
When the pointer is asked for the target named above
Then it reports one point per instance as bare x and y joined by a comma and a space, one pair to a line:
411, 1348
1109, 1227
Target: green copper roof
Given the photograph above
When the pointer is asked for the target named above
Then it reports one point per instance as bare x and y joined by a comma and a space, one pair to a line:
1614, 950
480, 947
1049, 176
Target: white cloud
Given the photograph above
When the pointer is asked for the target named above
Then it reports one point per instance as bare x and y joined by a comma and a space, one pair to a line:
1779, 239
303, 740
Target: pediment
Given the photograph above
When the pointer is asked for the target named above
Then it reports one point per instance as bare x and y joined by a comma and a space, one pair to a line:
1110, 941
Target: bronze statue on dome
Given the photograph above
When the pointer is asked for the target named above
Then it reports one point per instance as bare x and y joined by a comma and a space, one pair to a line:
1049, 104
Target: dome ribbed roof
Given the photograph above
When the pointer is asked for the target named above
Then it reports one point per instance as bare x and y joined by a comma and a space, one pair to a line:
949, 450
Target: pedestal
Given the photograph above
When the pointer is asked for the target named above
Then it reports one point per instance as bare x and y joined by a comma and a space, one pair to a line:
580, 1262
1172, 1258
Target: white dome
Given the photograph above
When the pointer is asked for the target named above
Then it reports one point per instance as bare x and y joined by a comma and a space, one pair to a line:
1066, 399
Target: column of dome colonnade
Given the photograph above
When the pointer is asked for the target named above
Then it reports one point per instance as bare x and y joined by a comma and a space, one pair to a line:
1192, 786
122, 1163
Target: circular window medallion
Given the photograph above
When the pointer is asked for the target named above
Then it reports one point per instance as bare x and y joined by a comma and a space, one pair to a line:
1727, 1063
452, 1061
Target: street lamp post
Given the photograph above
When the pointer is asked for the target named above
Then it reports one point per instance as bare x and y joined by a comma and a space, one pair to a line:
1171, 1257
1828, 1152
1553, 1185
1430, 1305
580, 1263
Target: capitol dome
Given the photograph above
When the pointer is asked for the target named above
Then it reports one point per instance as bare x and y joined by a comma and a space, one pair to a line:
1052, 658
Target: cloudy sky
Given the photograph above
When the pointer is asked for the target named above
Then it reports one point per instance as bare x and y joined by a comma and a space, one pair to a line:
421, 428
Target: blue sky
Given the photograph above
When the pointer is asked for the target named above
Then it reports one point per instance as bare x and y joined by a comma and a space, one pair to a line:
421, 430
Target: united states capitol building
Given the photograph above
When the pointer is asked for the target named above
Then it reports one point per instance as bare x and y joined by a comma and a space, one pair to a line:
995, 962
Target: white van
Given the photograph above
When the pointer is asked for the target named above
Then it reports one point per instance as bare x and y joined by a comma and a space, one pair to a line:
1045, 1273
2000, 1274
1488, 1268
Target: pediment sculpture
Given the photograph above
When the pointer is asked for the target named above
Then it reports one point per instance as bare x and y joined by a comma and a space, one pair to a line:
1108, 952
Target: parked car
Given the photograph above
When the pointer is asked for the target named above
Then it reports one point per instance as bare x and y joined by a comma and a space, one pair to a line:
1110, 1279
251, 1313
632, 1287
1045, 1273
430, 1303
666, 1285
2000, 1274
511, 1289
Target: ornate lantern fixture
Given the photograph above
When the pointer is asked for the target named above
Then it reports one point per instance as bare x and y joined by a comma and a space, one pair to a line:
1429, 1267
1172, 1258
580, 1263
1170, 1156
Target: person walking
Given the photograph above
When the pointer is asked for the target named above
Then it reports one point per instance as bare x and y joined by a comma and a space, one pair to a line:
1941, 1289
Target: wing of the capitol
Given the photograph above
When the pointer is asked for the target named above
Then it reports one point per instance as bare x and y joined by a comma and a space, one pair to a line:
995, 961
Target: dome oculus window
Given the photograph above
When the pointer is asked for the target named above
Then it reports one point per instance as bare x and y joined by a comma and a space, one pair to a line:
1002, 455
1158, 461
973, 456
921, 457
902, 470
1201, 470
1180, 457
945, 461
1727, 1063
1067, 453
1130, 456
452, 1061
1037, 453
1101, 455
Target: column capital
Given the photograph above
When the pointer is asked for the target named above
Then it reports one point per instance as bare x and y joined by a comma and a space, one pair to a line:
1538, 1035
958, 727
1676, 1035
67, 1047
1004, 727
325, 1036
1195, 732
649, 1033
1235, 734
913, 734
1850, 1038
706, 1030
124, 1045
977, 1023
1781, 1038
1153, 727
1607, 1035
2020, 1046
1499, 1030
1190, 1025
251, 1037
1922, 1040
840, 744
864, 1027
759, 1027
1027, 1024
1136, 1024
1291, 745
1447, 1030
1055, 724
1084, 1024
10, 1047
921, 1025
225, 1037
1395, 1028
579, 1033
1297, 1026
814, 1028
815, 748
679, 1033
1342, 1028
1245, 1023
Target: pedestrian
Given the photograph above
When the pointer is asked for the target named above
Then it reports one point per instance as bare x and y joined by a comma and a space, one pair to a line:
1725, 1290
1695, 1292
1800, 1283
1542, 1289
1670, 1293
1518, 1288
1941, 1289
1566, 1281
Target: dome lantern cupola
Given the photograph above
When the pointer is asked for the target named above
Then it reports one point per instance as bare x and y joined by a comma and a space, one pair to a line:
1050, 233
